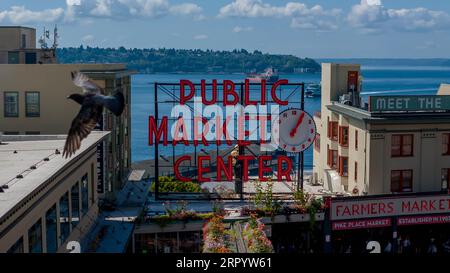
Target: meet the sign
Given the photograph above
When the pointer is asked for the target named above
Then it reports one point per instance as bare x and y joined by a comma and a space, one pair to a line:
389, 206
409, 103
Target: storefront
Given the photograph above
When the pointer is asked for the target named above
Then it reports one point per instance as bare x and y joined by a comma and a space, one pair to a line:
415, 223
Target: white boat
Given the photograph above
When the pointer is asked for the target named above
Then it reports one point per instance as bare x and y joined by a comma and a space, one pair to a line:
269, 75
313, 90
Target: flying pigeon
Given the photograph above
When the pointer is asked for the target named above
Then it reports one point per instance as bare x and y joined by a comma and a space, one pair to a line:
92, 102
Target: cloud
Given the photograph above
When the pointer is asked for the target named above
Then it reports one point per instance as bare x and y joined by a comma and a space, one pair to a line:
302, 16
21, 15
371, 16
238, 29
127, 9
201, 37
88, 39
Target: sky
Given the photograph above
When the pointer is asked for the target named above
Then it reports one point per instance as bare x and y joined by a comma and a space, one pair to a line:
305, 28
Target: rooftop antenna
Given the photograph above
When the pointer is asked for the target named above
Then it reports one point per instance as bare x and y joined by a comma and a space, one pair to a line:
42, 39
55, 37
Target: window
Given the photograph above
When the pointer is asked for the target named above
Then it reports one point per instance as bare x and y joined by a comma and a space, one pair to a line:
24, 41
343, 136
64, 217
343, 166
401, 181
333, 130
445, 175
317, 143
32, 133
11, 104
402, 145
30, 58
84, 194
32, 101
356, 139
332, 157
35, 238
356, 170
75, 197
50, 226
445, 144
13, 57
17, 247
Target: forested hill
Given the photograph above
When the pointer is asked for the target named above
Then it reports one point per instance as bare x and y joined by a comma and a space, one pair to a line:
188, 61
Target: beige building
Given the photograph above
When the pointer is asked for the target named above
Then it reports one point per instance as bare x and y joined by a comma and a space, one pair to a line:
33, 100
46, 200
387, 145
18, 46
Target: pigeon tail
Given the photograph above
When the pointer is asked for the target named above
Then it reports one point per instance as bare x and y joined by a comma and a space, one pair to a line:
115, 103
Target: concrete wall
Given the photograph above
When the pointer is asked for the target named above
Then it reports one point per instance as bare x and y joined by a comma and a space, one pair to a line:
334, 84
426, 162
35, 211
11, 38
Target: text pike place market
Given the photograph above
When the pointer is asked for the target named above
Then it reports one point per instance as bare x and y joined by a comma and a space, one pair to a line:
206, 119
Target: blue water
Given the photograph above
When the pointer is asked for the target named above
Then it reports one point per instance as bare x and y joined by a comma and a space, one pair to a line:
386, 80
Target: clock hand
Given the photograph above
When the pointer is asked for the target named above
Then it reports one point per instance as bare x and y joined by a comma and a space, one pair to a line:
299, 121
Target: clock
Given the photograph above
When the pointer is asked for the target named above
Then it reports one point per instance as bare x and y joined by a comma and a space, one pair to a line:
296, 130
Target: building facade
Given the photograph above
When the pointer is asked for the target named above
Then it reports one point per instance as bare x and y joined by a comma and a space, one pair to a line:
361, 151
33, 100
18, 46
47, 200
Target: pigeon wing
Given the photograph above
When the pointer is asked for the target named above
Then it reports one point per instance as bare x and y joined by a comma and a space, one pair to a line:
83, 81
114, 103
81, 127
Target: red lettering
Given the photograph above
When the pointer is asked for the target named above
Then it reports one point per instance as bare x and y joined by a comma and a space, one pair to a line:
288, 169
177, 169
274, 93
228, 170
229, 88
183, 97
245, 160
262, 166
153, 130
214, 92
202, 169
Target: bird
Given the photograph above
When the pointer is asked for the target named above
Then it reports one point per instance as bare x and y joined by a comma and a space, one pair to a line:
92, 101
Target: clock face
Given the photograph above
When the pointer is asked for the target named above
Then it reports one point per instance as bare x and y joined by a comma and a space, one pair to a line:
297, 130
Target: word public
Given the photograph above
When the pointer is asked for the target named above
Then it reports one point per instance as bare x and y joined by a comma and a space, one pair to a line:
230, 97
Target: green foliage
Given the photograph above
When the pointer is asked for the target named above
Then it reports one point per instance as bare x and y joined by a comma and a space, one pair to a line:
169, 60
264, 200
170, 184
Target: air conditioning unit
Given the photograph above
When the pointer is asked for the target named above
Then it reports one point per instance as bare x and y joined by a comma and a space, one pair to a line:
346, 99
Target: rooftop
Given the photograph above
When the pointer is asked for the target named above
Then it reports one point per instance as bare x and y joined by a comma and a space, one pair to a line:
391, 117
35, 160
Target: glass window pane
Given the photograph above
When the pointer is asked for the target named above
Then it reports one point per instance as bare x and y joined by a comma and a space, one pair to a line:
17, 247
35, 238
11, 104
75, 197
32, 104
395, 181
50, 226
407, 180
13, 57
64, 217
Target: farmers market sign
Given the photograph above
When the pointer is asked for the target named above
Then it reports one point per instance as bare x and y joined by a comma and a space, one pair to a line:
409, 103
389, 206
